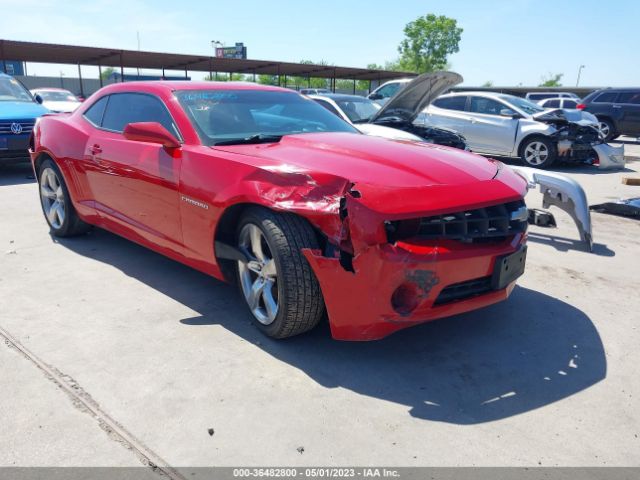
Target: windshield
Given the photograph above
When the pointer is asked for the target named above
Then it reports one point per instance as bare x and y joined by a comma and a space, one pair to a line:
358, 109
525, 105
12, 90
222, 116
57, 96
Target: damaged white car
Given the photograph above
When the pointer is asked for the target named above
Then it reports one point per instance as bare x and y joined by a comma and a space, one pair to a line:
505, 125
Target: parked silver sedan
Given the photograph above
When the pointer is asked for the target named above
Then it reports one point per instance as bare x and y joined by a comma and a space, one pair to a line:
505, 125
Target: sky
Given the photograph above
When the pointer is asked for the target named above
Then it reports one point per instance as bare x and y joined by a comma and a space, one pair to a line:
508, 42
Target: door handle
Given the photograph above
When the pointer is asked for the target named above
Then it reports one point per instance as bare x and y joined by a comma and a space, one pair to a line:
472, 120
94, 149
617, 106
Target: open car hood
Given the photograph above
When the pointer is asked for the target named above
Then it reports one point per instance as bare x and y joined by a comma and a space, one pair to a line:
417, 95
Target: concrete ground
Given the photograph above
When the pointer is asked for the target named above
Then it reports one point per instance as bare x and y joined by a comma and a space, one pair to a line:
117, 356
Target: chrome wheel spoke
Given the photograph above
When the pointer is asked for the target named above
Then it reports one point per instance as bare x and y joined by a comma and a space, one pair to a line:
256, 292
269, 268
256, 242
46, 192
51, 214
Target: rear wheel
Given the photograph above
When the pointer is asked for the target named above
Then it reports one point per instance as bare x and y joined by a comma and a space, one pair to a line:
538, 152
277, 282
56, 203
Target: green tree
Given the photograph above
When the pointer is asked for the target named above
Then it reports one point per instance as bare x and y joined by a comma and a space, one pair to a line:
106, 73
488, 84
268, 79
224, 77
551, 80
428, 41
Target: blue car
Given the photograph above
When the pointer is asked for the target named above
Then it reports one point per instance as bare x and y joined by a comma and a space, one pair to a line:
18, 114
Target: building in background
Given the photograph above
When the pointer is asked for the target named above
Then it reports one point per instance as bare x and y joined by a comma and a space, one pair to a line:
12, 67
239, 51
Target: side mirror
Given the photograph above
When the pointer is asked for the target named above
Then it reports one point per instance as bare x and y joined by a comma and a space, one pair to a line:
507, 112
375, 96
38, 98
150, 132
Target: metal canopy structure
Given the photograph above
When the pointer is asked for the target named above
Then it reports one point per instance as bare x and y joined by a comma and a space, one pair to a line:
108, 57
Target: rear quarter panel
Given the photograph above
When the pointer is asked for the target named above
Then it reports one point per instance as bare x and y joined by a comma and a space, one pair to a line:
63, 138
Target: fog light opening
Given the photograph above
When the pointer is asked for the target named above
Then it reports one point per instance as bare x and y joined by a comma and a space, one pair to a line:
405, 298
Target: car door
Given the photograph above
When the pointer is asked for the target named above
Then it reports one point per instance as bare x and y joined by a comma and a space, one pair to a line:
446, 112
135, 184
629, 106
487, 129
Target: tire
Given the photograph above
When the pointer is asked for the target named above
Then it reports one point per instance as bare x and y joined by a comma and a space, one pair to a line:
56, 203
607, 129
538, 152
278, 272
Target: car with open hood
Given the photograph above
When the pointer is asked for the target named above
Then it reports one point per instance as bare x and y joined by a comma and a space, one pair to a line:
505, 125
362, 114
263, 187
397, 118
18, 114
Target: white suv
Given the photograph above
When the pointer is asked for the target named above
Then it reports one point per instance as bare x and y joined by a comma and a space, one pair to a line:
537, 96
384, 92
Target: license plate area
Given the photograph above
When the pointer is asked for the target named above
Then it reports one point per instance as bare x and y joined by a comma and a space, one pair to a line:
508, 268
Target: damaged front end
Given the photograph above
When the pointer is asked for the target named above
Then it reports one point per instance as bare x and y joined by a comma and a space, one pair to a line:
579, 140
385, 271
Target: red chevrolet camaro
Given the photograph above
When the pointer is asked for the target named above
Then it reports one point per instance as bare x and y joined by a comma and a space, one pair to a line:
264, 187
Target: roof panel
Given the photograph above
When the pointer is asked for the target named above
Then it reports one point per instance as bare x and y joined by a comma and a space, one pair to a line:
72, 54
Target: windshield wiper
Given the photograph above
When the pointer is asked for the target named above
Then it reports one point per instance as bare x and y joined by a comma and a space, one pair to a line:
257, 138
362, 120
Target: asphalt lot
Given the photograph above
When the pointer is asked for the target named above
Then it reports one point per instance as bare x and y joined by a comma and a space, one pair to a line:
158, 354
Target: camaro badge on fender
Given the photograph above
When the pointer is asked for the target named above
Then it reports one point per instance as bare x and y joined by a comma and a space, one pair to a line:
191, 201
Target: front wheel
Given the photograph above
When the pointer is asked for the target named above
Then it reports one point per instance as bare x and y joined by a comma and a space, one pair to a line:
607, 129
538, 152
277, 282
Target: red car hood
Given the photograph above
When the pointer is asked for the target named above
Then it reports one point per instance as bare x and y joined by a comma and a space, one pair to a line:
392, 176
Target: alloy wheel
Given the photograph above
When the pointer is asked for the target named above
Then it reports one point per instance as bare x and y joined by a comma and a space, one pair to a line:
52, 197
604, 129
259, 275
536, 153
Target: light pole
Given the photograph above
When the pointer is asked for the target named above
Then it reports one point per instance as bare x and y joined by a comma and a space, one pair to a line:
579, 72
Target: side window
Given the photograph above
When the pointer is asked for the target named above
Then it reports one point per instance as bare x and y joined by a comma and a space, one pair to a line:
96, 111
606, 97
629, 97
451, 103
389, 90
124, 108
570, 104
328, 106
485, 106
555, 103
